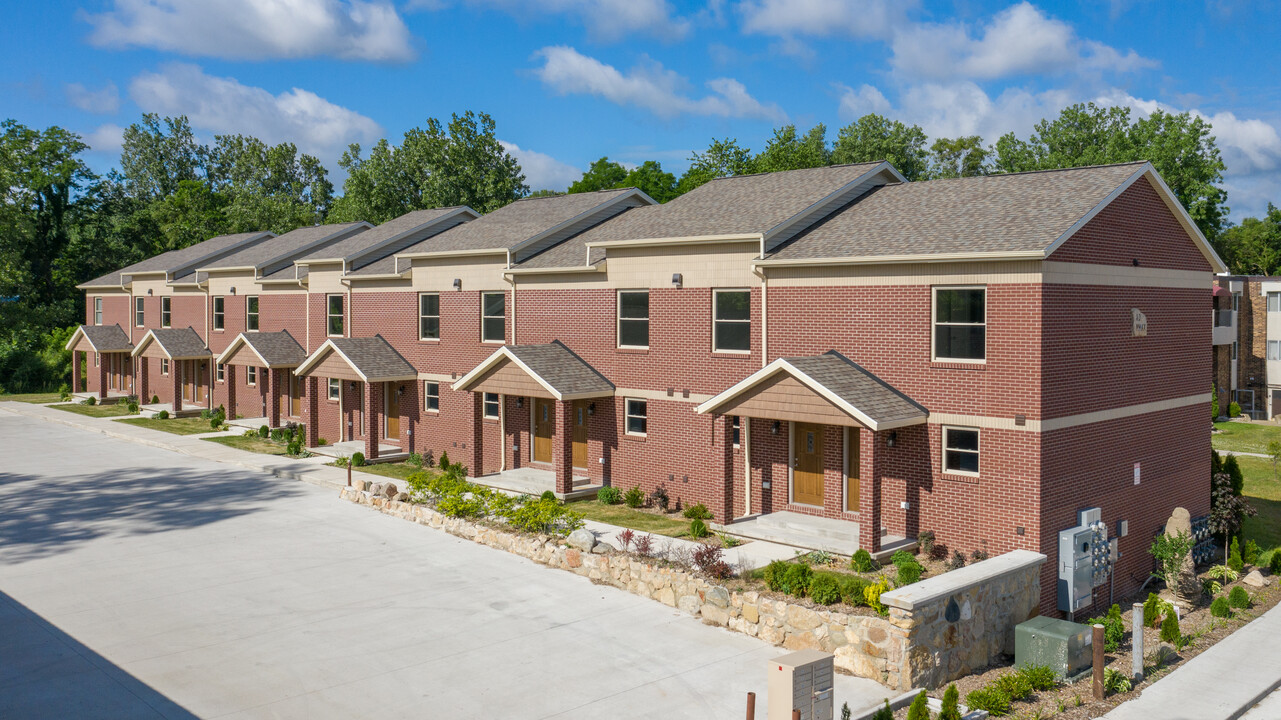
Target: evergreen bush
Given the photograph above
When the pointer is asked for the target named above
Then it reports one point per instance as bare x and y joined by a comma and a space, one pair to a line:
796, 579
1250, 553
989, 698
264, 432
635, 497
609, 495
920, 709
1234, 409
357, 459
1239, 598
909, 572
862, 561
773, 574
698, 529
883, 713
1234, 557
1219, 608
872, 595
1170, 629
698, 511
852, 588
1113, 628
951, 709
1275, 565
825, 589
163, 415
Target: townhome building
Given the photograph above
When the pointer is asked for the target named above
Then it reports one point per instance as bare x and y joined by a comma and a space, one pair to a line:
1247, 344
832, 351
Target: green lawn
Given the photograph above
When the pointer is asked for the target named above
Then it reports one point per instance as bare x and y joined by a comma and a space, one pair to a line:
670, 525
1245, 437
101, 411
251, 443
1263, 490
395, 471
36, 398
177, 426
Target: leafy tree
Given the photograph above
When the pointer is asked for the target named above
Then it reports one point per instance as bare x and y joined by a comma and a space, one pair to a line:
268, 187
959, 157
650, 179
723, 158
788, 150
193, 213
602, 175
873, 138
1254, 246
1228, 510
157, 154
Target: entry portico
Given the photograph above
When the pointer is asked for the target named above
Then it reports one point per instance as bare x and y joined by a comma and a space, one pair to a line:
277, 353
188, 359
111, 348
818, 434
559, 387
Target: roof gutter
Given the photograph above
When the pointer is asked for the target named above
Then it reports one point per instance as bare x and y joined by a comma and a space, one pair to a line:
687, 240
600, 267
891, 259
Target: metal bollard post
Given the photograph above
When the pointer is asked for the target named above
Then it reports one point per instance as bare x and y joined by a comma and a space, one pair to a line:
1098, 662
349, 472
751, 706
796, 715
1136, 643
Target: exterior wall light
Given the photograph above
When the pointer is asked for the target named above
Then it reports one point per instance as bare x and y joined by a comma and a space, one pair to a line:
520, 402
150, 291
591, 408
677, 280
233, 290
773, 429
891, 439
458, 283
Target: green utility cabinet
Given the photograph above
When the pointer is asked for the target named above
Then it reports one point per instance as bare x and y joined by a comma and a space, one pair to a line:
1066, 647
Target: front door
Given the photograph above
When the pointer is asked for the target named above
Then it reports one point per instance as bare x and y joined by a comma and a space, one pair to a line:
393, 411
580, 433
544, 423
852, 472
197, 379
188, 379
295, 395
807, 464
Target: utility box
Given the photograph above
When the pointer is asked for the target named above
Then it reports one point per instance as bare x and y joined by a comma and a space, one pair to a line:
1086, 559
1065, 646
801, 681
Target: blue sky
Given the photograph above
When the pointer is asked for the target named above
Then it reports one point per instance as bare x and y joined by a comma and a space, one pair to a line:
568, 81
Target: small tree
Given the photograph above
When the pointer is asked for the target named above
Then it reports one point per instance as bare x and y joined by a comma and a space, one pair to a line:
1233, 469
1274, 454
1214, 402
951, 704
1170, 551
1228, 510
1234, 557
920, 709
1170, 629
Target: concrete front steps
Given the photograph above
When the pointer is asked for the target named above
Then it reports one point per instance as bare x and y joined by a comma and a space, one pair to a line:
808, 532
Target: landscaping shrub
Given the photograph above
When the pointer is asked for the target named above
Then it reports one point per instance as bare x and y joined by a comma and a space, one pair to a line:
1014, 685
543, 516
1234, 557
1170, 628
341, 462
625, 538
633, 498
698, 529
1040, 677
729, 541
547, 495
428, 459
1223, 573
862, 561
155, 399
925, 541
958, 560
609, 495
91, 400
773, 574
909, 572
1250, 553
872, 595
163, 415
979, 555
1239, 598
796, 579
951, 709
1275, 565
1153, 608
989, 698
901, 557
710, 559
205, 413
444, 462
1234, 409
659, 498
132, 407
414, 460
1114, 681
357, 459
1232, 468
1219, 608
294, 447
852, 588
264, 432
920, 709
825, 589
644, 545
1113, 628
883, 713
64, 391
698, 511
214, 422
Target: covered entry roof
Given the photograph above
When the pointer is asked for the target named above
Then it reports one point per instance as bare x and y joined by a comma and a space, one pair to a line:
547, 371
368, 359
827, 388
264, 349
172, 343
102, 338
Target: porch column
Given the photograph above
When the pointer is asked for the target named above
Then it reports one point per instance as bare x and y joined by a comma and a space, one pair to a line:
373, 398
724, 432
229, 379
869, 500
477, 457
77, 360
273, 397
311, 411
415, 402
563, 446
144, 380
175, 372
103, 359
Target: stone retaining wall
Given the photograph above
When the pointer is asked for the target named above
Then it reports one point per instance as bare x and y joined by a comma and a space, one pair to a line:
910, 648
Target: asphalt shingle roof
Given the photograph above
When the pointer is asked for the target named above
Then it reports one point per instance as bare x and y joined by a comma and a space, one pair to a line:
852, 383
107, 338
562, 369
279, 349
374, 357
993, 213
357, 244
291, 242
174, 259
179, 343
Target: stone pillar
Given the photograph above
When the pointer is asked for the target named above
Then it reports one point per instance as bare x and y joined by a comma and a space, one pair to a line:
175, 373
871, 445
273, 397
229, 379
724, 432
311, 410
372, 399
563, 446
77, 360
102, 376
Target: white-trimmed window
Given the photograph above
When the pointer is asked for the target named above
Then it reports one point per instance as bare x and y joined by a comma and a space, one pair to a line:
251, 375
1235, 349
1274, 302
732, 321
334, 315
164, 366
633, 318
429, 316
961, 450
637, 417
251, 312
219, 316
335, 388
221, 371
491, 405
1274, 349
166, 316
960, 324
139, 312
95, 360
431, 396
493, 317
97, 311
734, 419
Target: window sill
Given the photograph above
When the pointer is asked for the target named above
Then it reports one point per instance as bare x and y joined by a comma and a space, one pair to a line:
957, 365
634, 438
632, 350
428, 340
732, 353
959, 477
493, 342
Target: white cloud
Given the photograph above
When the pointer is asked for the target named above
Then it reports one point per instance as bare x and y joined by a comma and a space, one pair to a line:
105, 139
606, 20
542, 171
223, 105
104, 101
256, 29
868, 19
1019, 40
956, 109
649, 86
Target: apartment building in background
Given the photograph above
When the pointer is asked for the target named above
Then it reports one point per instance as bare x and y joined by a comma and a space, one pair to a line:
979, 357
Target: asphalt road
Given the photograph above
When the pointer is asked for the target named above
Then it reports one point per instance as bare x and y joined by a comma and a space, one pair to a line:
137, 582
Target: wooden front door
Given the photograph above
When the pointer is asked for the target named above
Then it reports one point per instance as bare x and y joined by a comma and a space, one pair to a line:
295, 395
807, 464
544, 424
198, 377
392, 400
852, 470
188, 379
580, 433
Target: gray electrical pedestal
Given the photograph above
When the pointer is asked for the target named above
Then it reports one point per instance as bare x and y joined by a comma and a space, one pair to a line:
1086, 559
1066, 647
801, 681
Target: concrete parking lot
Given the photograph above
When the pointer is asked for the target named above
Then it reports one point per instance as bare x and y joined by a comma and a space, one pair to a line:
137, 582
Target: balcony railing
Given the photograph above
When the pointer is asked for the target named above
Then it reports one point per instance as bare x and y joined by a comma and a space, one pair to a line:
1224, 318
1225, 327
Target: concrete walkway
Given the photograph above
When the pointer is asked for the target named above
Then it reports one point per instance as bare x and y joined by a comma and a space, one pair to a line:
1221, 683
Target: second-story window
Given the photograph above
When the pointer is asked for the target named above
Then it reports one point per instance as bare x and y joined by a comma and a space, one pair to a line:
164, 366
491, 406
97, 311
960, 324
633, 318
165, 315
431, 396
731, 320
222, 371
493, 323
335, 388
251, 312
251, 375
429, 316
139, 314
335, 316
219, 317
1274, 302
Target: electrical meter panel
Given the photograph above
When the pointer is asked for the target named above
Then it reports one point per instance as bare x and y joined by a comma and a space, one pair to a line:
1086, 559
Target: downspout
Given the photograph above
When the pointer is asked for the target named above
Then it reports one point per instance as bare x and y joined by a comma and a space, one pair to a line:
511, 279
764, 315
502, 418
745, 427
